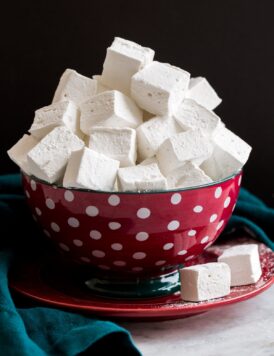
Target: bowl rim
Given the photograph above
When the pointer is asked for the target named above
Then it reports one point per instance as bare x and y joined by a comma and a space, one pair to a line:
175, 190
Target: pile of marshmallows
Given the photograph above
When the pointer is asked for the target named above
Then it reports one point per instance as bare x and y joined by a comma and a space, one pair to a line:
237, 266
137, 110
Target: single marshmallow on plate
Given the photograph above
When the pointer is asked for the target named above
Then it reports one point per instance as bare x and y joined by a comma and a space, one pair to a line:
74, 86
244, 262
109, 109
63, 113
124, 58
205, 281
141, 177
48, 159
119, 144
202, 92
159, 88
191, 115
18, 152
229, 155
91, 170
100, 87
190, 145
151, 134
188, 175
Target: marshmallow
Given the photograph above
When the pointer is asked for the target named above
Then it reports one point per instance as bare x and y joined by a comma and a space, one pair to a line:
141, 177
159, 88
74, 86
188, 175
124, 58
205, 281
148, 161
109, 109
119, 144
185, 146
100, 87
229, 155
151, 134
244, 262
92, 170
202, 92
48, 159
63, 113
18, 152
191, 115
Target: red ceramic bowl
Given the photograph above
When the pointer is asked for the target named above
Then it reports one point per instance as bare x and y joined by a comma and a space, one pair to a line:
133, 234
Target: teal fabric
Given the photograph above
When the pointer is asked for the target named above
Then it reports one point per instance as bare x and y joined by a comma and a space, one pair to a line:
38, 331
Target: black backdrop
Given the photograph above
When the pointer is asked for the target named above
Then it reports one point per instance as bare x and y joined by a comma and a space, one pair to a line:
229, 42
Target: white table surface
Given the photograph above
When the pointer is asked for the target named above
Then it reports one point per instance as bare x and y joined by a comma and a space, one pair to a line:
245, 328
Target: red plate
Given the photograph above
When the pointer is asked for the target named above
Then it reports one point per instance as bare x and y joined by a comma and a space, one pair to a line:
50, 285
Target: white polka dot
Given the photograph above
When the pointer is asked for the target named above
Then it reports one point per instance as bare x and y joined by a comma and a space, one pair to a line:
104, 267
142, 236
176, 198
117, 247
114, 200
182, 252
221, 223
46, 233
85, 259
114, 225
69, 196
160, 263
173, 225
189, 257
73, 222
239, 180
218, 192
92, 210
38, 211
33, 185
55, 227
143, 213
198, 209
227, 202
139, 255
119, 263
98, 253
64, 247
78, 243
168, 246
204, 239
191, 232
213, 217
50, 203
137, 269
27, 194
95, 234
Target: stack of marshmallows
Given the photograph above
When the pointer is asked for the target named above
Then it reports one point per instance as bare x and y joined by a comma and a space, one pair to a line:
141, 125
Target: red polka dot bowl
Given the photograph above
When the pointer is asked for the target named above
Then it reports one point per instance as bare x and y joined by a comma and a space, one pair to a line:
134, 242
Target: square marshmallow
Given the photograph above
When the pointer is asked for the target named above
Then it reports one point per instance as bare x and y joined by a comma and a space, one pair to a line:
124, 58
119, 144
18, 152
205, 281
141, 177
202, 92
190, 145
109, 109
91, 170
63, 113
244, 262
191, 115
159, 88
229, 155
48, 159
74, 86
188, 175
151, 134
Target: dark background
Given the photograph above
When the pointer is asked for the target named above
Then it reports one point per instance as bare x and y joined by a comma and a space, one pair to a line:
229, 42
